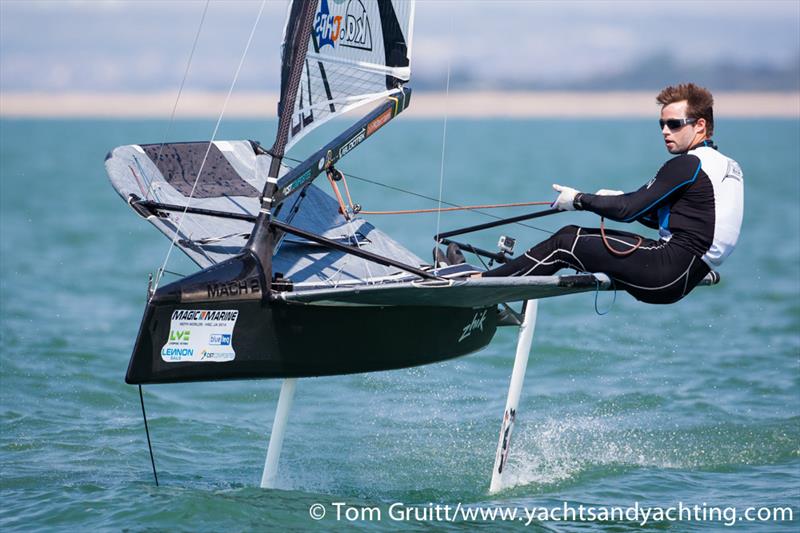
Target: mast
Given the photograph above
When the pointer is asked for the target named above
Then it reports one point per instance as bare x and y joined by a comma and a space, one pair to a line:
298, 32
336, 56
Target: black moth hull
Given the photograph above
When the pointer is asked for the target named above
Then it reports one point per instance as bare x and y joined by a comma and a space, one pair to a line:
185, 338
279, 340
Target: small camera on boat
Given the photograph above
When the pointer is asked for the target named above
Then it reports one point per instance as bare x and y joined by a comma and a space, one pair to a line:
506, 244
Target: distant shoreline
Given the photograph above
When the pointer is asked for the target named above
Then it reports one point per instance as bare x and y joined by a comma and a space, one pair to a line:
484, 104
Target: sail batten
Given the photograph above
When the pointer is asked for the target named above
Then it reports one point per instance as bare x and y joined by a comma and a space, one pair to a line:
400, 72
351, 101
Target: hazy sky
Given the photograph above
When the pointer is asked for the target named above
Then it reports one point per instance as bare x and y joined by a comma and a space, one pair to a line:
114, 45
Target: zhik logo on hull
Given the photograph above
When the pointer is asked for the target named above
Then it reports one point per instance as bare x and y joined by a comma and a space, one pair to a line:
475, 323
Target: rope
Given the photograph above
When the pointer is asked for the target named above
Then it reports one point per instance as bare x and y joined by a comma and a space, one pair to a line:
457, 208
346, 213
347, 192
597, 293
210, 142
177, 98
358, 245
418, 195
147, 432
444, 131
342, 207
611, 249
353, 209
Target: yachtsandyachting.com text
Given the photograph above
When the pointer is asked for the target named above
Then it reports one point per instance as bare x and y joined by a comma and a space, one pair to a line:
566, 512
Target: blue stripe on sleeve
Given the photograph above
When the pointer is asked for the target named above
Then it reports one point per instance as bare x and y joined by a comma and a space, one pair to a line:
646, 209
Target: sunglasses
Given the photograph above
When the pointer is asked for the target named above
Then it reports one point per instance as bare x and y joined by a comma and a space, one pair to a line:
676, 123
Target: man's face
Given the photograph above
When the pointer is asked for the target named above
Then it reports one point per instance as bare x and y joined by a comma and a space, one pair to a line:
680, 139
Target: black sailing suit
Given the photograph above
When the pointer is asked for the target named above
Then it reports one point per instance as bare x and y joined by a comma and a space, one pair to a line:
696, 203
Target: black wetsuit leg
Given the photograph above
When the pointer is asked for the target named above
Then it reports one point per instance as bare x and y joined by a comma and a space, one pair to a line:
656, 272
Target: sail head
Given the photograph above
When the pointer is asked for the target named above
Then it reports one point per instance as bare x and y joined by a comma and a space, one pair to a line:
358, 52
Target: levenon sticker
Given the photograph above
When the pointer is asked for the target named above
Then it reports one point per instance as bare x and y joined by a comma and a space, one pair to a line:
199, 335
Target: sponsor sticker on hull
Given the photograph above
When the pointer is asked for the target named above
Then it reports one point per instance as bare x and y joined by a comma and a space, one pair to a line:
200, 335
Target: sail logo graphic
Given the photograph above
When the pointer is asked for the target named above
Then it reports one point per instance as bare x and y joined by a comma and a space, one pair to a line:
357, 32
327, 26
351, 31
475, 323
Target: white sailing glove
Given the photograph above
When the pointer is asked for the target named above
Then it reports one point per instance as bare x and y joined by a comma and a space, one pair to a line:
566, 198
609, 192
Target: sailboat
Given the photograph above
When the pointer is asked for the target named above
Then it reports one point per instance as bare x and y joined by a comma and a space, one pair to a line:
284, 266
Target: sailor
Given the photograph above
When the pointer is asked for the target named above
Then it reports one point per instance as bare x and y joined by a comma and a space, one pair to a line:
695, 201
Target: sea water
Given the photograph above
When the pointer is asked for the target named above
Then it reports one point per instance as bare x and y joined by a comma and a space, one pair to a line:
695, 404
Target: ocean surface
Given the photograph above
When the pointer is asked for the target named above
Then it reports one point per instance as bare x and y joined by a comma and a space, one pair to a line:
696, 403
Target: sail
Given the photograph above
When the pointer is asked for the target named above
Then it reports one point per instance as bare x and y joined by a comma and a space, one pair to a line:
358, 52
170, 174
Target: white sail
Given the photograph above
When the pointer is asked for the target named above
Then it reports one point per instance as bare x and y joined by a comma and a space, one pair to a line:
359, 51
168, 174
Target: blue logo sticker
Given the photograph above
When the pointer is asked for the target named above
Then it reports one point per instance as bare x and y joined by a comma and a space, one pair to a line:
217, 339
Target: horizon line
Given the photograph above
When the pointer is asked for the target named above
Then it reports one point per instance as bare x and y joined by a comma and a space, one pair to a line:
424, 104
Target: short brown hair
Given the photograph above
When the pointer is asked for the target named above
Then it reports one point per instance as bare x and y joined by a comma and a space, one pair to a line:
700, 103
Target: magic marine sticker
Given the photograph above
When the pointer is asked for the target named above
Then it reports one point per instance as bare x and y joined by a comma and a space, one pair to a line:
197, 335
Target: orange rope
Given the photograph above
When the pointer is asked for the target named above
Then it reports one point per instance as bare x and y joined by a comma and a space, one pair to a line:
347, 191
342, 206
335, 188
608, 244
459, 208
466, 208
